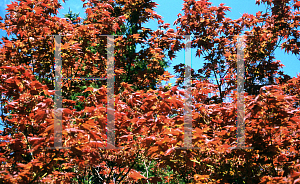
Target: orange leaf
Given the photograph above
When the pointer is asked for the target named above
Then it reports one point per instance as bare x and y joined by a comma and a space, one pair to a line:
40, 115
160, 21
38, 10
153, 149
88, 89
89, 109
74, 130
67, 111
96, 144
136, 175
35, 140
12, 6
36, 84
49, 128
136, 36
169, 151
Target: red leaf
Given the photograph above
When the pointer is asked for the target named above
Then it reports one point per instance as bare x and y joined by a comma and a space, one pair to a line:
67, 111
88, 89
174, 88
74, 130
181, 92
153, 149
160, 21
49, 128
36, 84
96, 144
297, 181
89, 11
136, 36
169, 151
38, 10
122, 17
89, 109
295, 174
40, 115
35, 140
135, 175
94, 135
12, 6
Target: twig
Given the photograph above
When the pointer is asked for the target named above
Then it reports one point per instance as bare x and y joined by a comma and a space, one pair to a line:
98, 174
43, 169
127, 171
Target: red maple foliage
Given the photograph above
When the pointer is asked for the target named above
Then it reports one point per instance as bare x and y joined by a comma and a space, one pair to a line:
149, 124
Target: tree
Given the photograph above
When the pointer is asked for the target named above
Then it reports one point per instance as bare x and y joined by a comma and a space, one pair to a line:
28, 48
72, 16
264, 33
150, 122
135, 66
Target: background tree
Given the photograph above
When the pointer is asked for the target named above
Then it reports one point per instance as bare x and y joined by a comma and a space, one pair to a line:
135, 65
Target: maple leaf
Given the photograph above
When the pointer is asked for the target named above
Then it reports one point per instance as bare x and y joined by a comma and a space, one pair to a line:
35, 140
297, 4
89, 89
135, 175
136, 36
38, 10
36, 85
89, 11
153, 150
160, 21
67, 111
12, 7
96, 144
40, 114
169, 151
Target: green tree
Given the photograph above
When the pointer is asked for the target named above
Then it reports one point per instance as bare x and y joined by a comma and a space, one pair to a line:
135, 65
